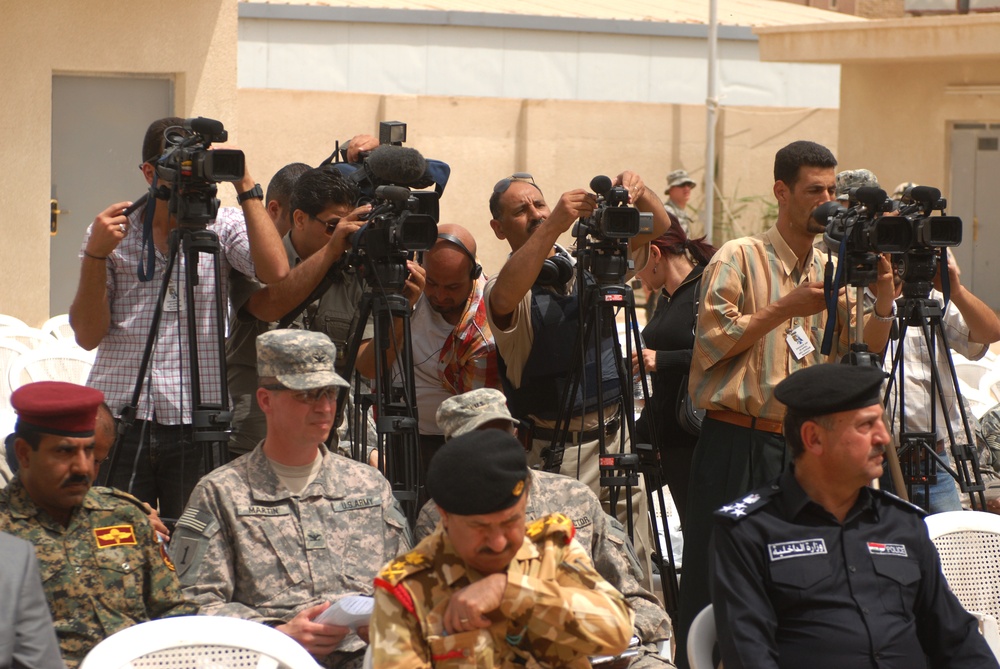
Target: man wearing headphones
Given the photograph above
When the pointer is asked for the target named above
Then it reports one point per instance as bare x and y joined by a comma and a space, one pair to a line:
533, 309
453, 349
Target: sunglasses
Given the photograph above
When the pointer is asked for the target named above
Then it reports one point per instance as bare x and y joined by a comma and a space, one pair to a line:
307, 396
330, 224
502, 185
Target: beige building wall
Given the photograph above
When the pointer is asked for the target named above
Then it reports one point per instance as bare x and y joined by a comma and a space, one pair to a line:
191, 41
563, 143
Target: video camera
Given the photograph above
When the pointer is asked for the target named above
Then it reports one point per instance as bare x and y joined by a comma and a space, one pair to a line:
602, 237
192, 170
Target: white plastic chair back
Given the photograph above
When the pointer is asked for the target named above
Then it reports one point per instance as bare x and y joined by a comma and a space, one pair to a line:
199, 642
969, 545
10, 350
30, 337
53, 363
59, 327
6, 321
701, 639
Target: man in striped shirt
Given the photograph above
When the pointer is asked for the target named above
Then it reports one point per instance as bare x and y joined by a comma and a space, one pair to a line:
761, 318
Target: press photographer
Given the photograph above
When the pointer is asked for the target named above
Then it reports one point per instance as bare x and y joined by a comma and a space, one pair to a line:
113, 307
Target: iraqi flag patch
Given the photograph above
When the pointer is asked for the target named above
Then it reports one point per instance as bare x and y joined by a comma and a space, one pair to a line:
875, 548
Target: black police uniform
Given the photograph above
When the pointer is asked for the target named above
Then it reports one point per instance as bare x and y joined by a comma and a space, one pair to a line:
793, 587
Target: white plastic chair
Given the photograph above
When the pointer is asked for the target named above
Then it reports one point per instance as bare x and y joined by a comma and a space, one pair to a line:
969, 545
989, 385
59, 327
701, 639
196, 642
57, 362
6, 321
30, 337
10, 350
971, 371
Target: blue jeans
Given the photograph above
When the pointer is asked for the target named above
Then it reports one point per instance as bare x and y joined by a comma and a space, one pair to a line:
943, 495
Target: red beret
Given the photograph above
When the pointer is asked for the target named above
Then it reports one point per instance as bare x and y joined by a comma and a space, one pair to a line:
57, 407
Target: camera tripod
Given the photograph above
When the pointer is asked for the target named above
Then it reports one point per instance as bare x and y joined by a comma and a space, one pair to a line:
394, 401
917, 451
209, 420
619, 472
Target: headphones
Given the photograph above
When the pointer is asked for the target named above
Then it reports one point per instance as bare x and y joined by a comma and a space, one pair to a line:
477, 269
556, 271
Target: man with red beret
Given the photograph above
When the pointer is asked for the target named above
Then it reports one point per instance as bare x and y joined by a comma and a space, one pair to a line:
100, 562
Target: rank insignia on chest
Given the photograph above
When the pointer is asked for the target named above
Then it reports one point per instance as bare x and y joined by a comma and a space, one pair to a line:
116, 535
793, 549
876, 548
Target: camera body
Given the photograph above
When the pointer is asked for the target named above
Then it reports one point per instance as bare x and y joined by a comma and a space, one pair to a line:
192, 170
602, 237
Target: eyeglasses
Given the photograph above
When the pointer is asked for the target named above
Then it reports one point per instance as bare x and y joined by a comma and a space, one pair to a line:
330, 224
502, 185
307, 396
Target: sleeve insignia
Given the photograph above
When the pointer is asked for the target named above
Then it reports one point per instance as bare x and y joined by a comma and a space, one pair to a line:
115, 535
551, 525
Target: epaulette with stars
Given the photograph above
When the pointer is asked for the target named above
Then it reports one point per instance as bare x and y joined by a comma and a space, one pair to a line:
392, 575
885, 494
748, 504
552, 525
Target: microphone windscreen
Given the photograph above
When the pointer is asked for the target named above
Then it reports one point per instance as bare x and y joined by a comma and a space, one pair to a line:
397, 194
205, 126
600, 184
396, 164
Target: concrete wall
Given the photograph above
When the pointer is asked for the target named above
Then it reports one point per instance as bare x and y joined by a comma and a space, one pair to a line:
192, 41
563, 143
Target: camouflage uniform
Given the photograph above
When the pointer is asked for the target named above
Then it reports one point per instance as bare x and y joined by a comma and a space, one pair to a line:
606, 544
246, 547
103, 572
556, 610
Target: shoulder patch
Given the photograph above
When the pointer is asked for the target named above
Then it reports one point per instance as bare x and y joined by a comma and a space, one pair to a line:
405, 565
552, 525
198, 521
748, 504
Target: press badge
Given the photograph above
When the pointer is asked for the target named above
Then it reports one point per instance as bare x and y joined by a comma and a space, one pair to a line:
174, 299
799, 343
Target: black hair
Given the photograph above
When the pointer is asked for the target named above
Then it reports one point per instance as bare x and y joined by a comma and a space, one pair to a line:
282, 184
789, 159
320, 188
29, 434
154, 142
495, 209
793, 429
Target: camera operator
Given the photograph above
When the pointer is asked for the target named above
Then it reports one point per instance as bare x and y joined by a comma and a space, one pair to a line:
761, 317
113, 311
535, 322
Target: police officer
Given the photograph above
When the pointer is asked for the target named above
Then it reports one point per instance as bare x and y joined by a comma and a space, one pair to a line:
101, 564
473, 588
820, 570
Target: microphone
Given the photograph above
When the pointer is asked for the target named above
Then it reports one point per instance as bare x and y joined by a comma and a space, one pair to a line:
398, 195
395, 165
206, 126
600, 184
824, 212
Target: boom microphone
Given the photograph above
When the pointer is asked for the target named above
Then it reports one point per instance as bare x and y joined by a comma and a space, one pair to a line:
398, 195
395, 165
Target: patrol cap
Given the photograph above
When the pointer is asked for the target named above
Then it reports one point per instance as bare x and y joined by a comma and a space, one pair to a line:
849, 179
478, 473
901, 189
57, 407
298, 359
679, 178
464, 413
829, 388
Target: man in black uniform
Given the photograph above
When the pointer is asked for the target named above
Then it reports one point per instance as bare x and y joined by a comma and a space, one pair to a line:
820, 570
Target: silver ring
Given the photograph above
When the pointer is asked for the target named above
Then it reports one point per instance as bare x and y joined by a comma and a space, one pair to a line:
463, 620
121, 226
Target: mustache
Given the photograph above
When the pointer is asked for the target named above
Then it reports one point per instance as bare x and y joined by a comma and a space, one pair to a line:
75, 479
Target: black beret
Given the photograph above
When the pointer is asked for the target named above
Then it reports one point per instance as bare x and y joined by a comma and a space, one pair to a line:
480, 472
829, 388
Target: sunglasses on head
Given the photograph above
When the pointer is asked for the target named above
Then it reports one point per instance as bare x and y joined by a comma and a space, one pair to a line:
502, 185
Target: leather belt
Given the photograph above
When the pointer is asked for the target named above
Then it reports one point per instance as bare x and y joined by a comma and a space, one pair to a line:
574, 436
743, 420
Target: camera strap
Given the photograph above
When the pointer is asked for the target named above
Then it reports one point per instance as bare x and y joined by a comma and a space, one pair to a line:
831, 285
148, 269
945, 278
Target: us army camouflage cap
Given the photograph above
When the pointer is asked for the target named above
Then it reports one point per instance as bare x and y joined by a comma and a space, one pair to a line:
469, 411
849, 179
298, 359
901, 190
478, 473
679, 178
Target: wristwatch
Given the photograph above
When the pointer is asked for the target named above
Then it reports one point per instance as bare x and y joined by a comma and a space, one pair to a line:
255, 192
885, 319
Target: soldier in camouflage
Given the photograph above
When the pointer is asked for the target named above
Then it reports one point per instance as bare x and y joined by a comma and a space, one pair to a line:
601, 536
848, 179
484, 591
283, 531
101, 565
